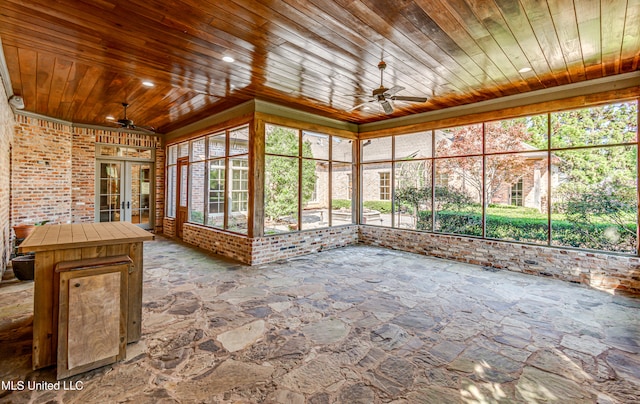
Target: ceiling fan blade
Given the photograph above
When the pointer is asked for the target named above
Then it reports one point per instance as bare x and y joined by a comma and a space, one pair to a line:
360, 105
410, 99
388, 109
393, 90
146, 129
361, 94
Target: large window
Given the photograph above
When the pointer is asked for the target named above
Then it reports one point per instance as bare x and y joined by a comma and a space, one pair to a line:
413, 194
307, 180
457, 206
458, 167
217, 186
197, 181
172, 160
510, 179
342, 201
238, 208
594, 162
565, 178
594, 198
216, 151
218, 179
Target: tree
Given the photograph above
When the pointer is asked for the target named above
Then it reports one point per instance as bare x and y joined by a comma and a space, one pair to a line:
281, 174
413, 197
597, 192
511, 135
597, 126
412, 191
609, 124
604, 216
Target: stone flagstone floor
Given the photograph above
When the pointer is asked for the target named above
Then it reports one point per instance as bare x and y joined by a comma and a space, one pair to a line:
353, 325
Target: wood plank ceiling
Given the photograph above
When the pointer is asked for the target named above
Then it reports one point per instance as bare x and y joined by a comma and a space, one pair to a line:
79, 60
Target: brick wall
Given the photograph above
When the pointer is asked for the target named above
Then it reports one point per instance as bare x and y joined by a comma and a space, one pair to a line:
614, 273
273, 248
160, 187
230, 245
54, 169
83, 167
169, 226
265, 249
7, 123
41, 171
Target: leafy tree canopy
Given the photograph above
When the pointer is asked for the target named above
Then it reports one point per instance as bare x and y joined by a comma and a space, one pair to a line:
281, 174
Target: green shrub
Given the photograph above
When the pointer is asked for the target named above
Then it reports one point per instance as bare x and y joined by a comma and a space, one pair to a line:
380, 206
459, 223
599, 236
517, 228
197, 217
340, 203
451, 222
424, 220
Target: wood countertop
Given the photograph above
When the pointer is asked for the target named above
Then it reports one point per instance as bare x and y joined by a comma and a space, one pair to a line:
61, 236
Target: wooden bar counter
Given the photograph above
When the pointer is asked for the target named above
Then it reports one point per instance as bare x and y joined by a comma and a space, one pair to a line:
53, 244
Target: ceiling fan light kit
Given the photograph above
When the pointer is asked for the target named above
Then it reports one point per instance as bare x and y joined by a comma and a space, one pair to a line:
382, 95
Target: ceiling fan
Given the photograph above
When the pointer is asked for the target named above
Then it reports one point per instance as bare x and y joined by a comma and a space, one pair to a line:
383, 95
126, 123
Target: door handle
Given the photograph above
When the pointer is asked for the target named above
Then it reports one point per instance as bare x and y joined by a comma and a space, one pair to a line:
122, 205
128, 205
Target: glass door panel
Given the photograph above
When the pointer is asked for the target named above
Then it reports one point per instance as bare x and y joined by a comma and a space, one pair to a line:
140, 197
110, 189
182, 194
184, 179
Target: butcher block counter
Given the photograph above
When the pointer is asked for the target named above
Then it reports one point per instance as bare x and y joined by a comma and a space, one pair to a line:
56, 245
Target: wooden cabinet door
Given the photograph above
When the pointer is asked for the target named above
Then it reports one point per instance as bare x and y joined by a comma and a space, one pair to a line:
92, 320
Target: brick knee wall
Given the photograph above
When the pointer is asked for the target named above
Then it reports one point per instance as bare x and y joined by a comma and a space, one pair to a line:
230, 245
169, 226
273, 248
262, 250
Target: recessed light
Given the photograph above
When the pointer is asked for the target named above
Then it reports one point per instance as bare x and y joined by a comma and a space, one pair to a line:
524, 70
147, 83
228, 59
110, 118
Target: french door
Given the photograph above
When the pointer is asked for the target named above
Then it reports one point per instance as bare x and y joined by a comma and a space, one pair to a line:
124, 192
